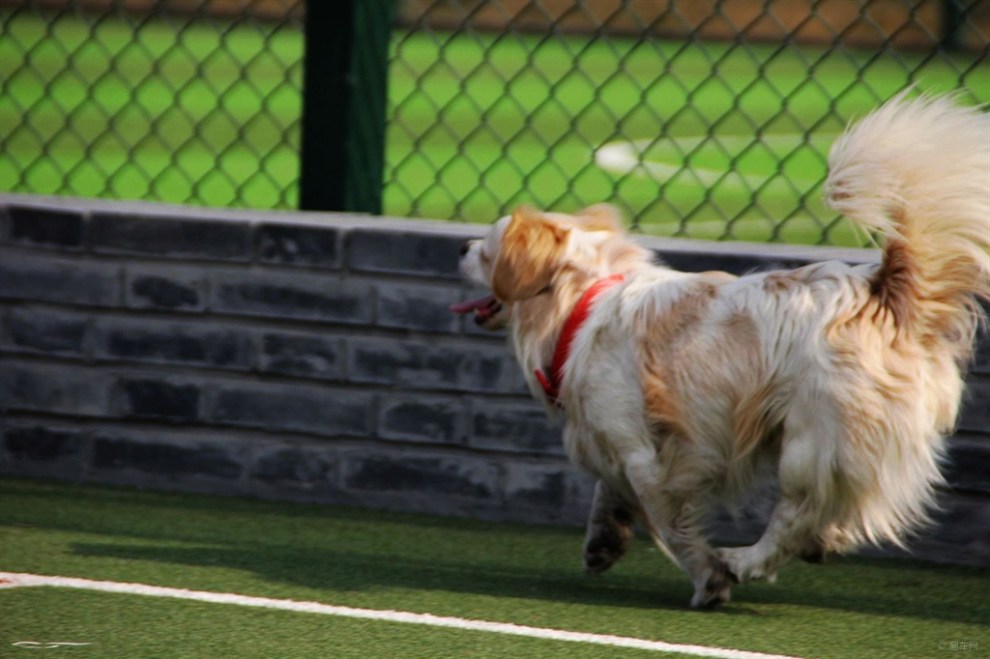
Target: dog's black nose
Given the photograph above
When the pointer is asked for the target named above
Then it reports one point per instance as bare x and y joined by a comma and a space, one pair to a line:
465, 247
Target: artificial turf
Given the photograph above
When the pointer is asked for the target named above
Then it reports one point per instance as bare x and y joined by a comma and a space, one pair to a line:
477, 122
531, 575
134, 626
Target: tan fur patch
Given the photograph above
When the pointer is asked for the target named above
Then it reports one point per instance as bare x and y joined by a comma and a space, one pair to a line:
717, 276
529, 254
895, 284
756, 414
664, 336
673, 353
600, 217
756, 419
783, 281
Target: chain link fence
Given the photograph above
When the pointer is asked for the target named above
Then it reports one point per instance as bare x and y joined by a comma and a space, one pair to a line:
698, 118
183, 101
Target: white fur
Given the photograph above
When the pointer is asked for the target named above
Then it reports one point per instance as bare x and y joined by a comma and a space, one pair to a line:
681, 389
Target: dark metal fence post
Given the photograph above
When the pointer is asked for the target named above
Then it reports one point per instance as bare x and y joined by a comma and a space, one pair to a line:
344, 94
953, 18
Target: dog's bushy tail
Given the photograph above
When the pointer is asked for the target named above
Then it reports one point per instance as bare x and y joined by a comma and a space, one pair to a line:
917, 171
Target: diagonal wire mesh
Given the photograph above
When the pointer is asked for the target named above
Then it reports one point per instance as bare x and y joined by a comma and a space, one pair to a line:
191, 102
698, 118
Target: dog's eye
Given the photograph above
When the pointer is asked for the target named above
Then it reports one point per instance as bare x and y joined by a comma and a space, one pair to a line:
485, 258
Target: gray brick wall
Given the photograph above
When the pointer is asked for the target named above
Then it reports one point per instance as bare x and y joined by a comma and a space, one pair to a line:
312, 357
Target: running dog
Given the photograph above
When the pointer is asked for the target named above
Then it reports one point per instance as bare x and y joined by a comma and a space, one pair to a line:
680, 389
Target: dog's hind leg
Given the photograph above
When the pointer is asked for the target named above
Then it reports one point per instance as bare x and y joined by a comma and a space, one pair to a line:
807, 487
674, 509
609, 529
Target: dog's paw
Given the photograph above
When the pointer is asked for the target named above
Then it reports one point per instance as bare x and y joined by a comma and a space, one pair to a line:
605, 546
744, 566
714, 586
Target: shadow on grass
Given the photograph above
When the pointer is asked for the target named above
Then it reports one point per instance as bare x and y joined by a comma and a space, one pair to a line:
854, 585
353, 550
344, 572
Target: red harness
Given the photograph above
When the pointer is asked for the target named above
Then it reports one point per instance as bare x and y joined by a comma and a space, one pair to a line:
577, 318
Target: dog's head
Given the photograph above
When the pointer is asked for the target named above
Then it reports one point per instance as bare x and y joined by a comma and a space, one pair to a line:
530, 254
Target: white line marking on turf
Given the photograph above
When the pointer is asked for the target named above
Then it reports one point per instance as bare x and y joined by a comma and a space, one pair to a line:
626, 156
17, 580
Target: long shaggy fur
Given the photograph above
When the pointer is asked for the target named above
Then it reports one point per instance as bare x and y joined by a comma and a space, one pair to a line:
682, 389
918, 173
913, 171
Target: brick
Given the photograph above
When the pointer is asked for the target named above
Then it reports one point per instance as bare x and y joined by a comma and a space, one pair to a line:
47, 332
981, 357
426, 419
417, 307
960, 534
559, 489
58, 389
300, 296
302, 246
968, 464
496, 344
316, 410
975, 414
429, 366
47, 227
303, 355
41, 444
439, 475
405, 253
147, 398
294, 466
165, 289
45, 279
158, 342
112, 233
737, 264
167, 457
514, 427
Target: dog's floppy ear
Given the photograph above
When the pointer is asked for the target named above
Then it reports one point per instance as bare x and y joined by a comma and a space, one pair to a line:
528, 256
601, 217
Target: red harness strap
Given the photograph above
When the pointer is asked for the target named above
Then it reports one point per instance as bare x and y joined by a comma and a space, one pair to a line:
574, 322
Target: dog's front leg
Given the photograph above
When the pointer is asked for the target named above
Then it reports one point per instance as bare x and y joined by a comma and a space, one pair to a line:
609, 529
675, 512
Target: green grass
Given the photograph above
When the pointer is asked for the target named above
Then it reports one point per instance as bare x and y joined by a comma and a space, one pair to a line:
499, 572
478, 123
134, 626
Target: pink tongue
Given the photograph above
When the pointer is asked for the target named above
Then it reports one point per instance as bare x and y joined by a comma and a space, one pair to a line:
473, 305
